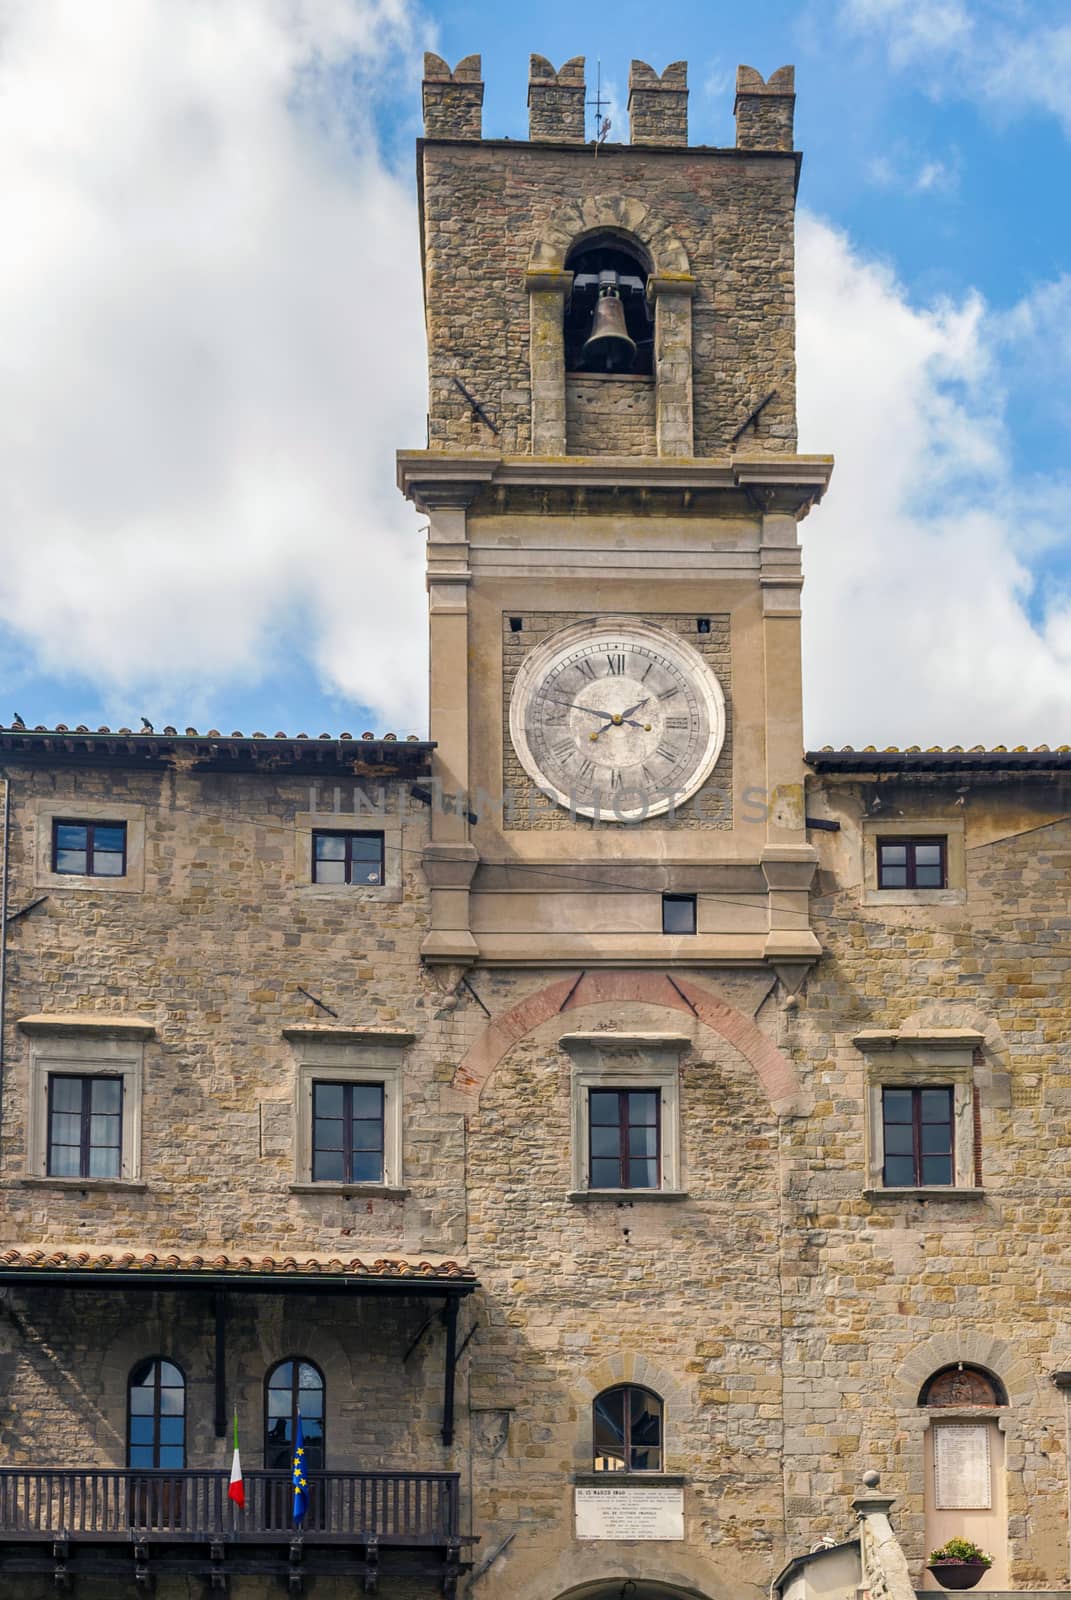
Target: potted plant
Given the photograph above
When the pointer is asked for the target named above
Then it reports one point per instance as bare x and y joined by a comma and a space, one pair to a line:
959, 1564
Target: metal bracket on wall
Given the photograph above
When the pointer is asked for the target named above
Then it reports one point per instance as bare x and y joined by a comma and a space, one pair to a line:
752, 416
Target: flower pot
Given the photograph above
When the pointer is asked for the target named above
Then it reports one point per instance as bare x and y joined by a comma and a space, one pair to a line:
958, 1574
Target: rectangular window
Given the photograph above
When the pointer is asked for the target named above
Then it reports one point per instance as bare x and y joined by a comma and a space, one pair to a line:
85, 1126
623, 1129
917, 1137
89, 849
913, 863
347, 857
347, 1132
678, 913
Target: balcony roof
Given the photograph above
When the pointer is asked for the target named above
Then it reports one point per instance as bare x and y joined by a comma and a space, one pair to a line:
268, 1274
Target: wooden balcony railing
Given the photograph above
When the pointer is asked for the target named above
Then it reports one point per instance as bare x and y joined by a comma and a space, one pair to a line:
382, 1508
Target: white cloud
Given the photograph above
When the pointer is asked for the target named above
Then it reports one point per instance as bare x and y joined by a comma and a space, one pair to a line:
919, 607
906, 171
211, 342
1004, 53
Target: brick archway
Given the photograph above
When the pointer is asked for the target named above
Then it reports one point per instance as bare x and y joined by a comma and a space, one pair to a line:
774, 1070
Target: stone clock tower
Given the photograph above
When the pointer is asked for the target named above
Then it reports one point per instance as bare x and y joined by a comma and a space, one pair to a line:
612, 492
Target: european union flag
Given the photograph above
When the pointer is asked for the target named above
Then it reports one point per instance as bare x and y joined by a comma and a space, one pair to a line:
300, 1476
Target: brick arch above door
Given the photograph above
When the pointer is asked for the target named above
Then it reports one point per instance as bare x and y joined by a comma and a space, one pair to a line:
571, 993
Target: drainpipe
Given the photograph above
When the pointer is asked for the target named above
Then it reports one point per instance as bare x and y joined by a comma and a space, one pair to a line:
3, 935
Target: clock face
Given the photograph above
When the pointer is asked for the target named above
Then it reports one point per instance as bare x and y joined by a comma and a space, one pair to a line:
617, 719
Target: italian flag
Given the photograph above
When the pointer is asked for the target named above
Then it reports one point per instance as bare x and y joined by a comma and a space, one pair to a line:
236, 1487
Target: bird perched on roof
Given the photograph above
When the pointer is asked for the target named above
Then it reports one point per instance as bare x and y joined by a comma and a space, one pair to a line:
18, 722
146, 726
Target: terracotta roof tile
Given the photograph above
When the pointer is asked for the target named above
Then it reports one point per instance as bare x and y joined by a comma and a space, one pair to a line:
50, 1260
191, 733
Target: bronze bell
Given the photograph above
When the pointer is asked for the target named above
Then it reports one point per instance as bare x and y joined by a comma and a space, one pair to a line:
608, 347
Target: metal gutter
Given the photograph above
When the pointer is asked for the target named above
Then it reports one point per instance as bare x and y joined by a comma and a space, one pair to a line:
265, 1283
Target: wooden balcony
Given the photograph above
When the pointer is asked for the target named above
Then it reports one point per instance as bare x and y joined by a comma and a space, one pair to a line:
97, 1522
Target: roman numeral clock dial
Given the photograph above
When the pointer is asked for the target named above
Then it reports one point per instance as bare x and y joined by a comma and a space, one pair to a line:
617, 719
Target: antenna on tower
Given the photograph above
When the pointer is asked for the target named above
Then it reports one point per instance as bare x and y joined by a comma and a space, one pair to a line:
602, 124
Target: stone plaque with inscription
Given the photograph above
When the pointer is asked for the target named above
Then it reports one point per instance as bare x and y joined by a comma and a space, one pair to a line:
961, 1475
630, 1511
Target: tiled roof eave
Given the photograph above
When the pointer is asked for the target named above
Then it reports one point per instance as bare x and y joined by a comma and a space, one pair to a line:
268, 1274
323, 755
1021, 762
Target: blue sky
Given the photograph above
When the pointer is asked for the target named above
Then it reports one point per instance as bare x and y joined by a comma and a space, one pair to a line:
199, 402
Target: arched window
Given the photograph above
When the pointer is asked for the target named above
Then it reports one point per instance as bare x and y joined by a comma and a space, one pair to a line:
609, 299
156, 1416
628, 1430
293, 1385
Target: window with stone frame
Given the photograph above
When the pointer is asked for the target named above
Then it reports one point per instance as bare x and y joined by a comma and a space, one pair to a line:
918, 1135
348, 1112
627, 1429
913, 863
625, 1095
342, 856
623, 1133
923, 1110
88, 849
347, 1132
85, 1126
85, 1100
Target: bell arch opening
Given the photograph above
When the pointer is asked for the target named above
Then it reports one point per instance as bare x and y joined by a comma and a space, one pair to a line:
608, 325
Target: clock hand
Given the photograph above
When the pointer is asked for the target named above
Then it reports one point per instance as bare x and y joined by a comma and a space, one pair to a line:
573, 706
630, 709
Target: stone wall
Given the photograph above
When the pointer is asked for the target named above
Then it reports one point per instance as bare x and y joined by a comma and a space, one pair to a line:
485, 205
609, 415
786, 1315
213, 954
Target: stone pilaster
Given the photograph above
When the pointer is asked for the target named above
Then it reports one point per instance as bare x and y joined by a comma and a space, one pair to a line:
672, 295
547, 293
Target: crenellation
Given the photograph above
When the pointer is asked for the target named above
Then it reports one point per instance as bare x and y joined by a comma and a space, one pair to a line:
658, 105
556, 100
453, 101
764, 109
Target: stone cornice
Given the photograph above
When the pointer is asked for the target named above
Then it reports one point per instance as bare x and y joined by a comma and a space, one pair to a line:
791, 484
312, 1033
86, 1024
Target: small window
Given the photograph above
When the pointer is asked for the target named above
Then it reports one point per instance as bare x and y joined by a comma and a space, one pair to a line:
623, 1127
156, 1417
628, 1430
293, 1385
913, 863
678, 913
89, 849
917, 1136
347, 1132
85, 1126
347, 857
